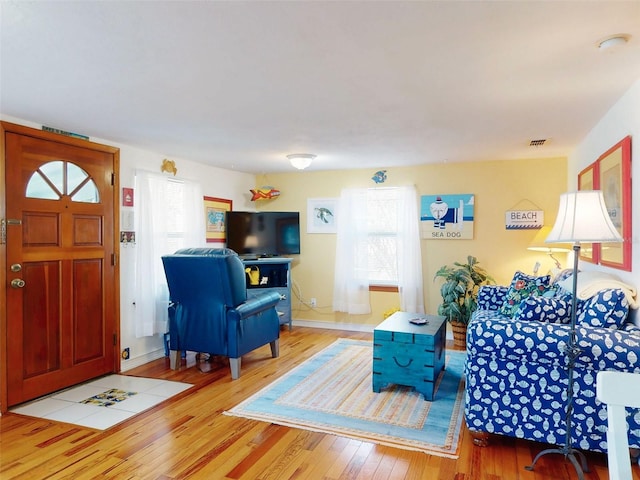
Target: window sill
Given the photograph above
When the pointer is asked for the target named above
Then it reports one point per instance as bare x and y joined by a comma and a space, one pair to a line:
383, 288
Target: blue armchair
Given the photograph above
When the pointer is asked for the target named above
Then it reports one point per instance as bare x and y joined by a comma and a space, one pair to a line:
209, 311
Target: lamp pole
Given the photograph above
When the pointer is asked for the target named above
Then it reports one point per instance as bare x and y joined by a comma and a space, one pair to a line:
573, 351
582, 217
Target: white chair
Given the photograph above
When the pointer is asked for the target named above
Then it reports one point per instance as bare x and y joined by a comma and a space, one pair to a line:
618, 390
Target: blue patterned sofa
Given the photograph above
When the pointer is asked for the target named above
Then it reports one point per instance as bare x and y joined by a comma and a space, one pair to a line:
515, 376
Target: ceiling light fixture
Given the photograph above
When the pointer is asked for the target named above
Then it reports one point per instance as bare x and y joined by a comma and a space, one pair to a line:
613, 41
301, 160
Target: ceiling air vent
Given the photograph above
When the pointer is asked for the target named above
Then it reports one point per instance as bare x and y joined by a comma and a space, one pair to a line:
537, 143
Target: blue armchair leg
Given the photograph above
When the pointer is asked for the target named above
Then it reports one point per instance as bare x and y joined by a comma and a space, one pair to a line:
235, 367
275, 348
175, 358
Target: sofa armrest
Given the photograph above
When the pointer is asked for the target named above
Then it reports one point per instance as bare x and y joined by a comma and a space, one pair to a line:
520, 341
545, 343
491, 297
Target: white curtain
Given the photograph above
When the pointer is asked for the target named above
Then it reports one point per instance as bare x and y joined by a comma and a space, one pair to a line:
168, 216
351, 282
409, 253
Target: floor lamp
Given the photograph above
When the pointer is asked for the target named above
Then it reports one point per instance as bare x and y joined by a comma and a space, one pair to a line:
582, 217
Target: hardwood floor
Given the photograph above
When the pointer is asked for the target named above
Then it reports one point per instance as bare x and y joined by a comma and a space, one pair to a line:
188, 437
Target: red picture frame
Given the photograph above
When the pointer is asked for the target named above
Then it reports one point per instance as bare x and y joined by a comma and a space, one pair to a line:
127, 197
611, 173
614, 175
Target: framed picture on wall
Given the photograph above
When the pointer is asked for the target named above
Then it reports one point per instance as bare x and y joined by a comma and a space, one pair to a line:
447, 217
587, 180
614, 179
322, 215
215, 210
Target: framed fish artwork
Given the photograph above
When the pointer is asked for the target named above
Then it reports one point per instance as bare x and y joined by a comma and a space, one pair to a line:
214, 215
321, 215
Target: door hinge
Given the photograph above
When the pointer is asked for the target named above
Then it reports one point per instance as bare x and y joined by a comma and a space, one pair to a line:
113, 179
114, 259
115, 339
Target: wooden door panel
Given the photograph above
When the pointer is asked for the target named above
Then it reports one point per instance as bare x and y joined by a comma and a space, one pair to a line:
62, 326
87, 231
41, 311
40, 229
88, 321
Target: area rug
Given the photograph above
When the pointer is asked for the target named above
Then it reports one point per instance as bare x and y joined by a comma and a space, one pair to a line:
332, 393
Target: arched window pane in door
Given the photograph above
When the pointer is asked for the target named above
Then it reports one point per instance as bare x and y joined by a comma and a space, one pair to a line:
87, 194
54, 172
39, 188
55, 179
75, 176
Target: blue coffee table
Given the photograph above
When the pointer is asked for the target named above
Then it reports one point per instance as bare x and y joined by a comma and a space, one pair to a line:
408, 354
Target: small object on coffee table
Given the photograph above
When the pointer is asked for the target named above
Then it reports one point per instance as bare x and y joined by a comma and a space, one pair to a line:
419, 321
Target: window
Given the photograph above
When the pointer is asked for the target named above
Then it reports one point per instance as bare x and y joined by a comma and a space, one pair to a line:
382, 228
377, 243
176, 215
169, 216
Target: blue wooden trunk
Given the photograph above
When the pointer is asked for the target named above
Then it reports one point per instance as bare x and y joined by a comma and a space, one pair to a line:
408, 354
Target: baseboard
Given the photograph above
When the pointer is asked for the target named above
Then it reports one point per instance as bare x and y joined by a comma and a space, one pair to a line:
352, 327
141, 360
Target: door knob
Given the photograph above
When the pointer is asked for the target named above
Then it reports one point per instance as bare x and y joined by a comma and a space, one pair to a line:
17, 283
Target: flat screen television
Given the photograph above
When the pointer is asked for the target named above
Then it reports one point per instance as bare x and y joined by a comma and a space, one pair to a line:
263, 234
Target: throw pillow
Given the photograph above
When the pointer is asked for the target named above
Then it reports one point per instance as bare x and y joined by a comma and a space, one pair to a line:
607, 308
543, 309
522, 286
562, 275
631, 328
491, 297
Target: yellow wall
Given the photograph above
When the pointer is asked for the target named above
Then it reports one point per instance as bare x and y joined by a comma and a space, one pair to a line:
498, 186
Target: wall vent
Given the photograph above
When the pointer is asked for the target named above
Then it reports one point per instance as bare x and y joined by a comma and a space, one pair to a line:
537, 143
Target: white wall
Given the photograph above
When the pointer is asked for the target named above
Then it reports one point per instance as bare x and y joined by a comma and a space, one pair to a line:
621, 120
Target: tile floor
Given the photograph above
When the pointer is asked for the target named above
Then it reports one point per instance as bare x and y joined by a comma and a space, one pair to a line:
135, 394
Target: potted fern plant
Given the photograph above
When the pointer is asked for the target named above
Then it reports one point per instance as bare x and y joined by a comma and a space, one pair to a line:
460, 294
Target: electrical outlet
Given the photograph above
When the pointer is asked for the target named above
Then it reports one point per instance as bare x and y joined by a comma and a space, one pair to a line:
126, 353
312, 302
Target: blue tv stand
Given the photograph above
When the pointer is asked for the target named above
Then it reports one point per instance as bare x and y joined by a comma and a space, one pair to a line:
275, 275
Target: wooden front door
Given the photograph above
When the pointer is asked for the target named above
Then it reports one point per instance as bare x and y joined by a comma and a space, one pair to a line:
61, 273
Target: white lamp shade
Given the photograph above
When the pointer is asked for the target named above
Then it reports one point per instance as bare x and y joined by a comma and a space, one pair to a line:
583, 217
538, 244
